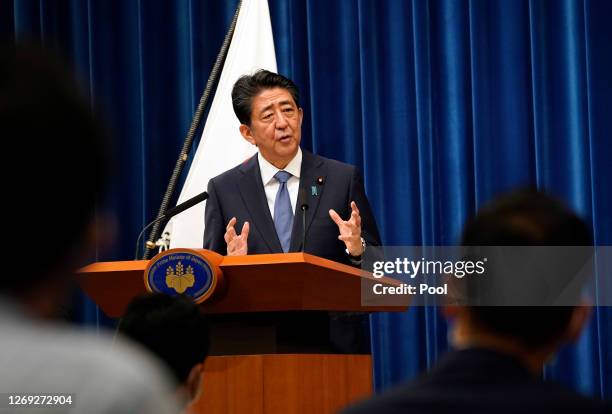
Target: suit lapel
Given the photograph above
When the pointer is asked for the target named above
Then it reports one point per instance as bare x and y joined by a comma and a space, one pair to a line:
254, 197
312, 169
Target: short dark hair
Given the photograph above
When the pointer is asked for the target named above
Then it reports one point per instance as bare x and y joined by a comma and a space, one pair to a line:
172, 328
526, 217
249, 86
47, 127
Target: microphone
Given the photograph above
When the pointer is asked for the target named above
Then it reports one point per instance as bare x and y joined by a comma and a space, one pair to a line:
304, 208
169, 214
185, 205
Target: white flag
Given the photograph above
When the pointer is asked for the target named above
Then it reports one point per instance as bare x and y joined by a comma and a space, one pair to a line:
221, 146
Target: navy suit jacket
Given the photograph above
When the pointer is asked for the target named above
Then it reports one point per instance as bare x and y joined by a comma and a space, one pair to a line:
479, 381
324, 183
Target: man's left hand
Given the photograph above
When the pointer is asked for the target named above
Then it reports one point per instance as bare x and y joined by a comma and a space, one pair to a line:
350, 230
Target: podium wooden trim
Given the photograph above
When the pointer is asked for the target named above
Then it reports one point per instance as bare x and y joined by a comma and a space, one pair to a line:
252, 283
287, 384
260, 284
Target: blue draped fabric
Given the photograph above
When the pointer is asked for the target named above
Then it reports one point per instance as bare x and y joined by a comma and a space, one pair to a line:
443, 104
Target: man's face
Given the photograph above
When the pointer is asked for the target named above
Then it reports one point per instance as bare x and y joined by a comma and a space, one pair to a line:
276, 126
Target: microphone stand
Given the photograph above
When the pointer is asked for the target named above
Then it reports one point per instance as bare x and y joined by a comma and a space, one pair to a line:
166, 216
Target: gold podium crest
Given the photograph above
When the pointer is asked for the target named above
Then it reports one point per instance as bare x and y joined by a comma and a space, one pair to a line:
179, 279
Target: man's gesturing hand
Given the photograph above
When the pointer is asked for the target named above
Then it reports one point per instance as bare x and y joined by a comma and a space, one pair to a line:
350, 230
236, 245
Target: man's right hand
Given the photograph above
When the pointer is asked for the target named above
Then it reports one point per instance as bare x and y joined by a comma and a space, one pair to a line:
236, 244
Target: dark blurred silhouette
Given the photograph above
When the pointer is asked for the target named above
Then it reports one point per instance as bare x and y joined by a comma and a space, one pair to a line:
500, 351
175, 330
59, 166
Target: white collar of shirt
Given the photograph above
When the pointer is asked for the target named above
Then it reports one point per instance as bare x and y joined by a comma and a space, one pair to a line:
268, 170
271, 185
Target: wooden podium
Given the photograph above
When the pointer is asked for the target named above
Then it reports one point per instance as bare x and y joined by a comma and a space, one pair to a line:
250, 369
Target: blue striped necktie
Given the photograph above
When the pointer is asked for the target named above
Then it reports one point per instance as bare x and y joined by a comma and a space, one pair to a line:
283, 214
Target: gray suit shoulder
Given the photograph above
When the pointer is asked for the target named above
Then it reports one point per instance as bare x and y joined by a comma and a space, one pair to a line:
101, 374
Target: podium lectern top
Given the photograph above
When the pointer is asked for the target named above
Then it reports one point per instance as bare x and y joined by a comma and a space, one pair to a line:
252, 283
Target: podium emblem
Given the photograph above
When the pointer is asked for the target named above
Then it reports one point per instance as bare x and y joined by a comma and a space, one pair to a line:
181, 272
179, 279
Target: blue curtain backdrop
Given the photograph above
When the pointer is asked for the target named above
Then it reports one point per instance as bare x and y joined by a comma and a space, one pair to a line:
443, 104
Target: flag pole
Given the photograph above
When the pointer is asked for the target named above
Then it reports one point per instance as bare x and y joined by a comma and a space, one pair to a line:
197, 118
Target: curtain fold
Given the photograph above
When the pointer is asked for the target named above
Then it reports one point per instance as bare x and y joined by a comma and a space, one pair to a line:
443, 104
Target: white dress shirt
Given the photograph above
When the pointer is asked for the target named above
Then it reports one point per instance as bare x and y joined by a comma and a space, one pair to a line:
271, 184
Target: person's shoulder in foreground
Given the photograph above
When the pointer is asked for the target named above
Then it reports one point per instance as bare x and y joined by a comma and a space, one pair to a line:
42, 111
478, 381
97, 374
501, 349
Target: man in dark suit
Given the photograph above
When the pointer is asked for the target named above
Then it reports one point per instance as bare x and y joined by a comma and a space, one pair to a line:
266, 196
500, 351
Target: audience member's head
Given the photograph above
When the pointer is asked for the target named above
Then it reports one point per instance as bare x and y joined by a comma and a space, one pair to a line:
524, 218
61, 160
175, 330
